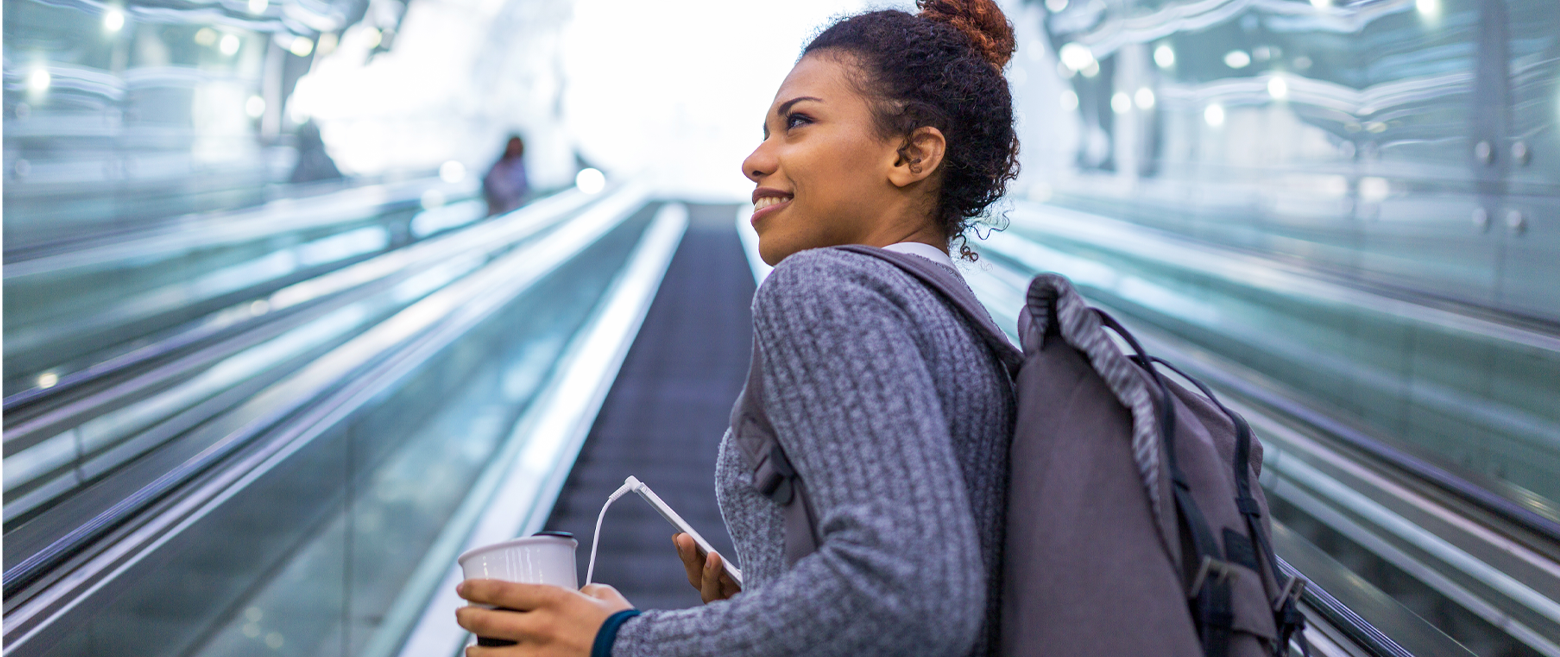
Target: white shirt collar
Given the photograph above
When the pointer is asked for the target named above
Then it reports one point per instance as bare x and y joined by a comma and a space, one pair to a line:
924, 250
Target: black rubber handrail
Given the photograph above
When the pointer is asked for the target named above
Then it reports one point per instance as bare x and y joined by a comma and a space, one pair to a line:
1339, 615
283, 418
152, 226
1479, 496
1476, 495
181, 340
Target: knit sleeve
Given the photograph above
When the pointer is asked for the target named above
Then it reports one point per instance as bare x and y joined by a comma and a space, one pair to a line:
899, 569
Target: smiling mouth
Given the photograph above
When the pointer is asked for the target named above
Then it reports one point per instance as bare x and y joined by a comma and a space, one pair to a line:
768, 201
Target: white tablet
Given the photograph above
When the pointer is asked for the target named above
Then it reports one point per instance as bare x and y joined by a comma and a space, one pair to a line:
681, 525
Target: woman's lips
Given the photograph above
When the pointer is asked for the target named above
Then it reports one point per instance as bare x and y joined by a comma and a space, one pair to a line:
767, 206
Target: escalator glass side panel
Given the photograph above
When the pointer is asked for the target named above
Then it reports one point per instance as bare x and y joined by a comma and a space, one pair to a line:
1397, 624
344, 515
1477, 405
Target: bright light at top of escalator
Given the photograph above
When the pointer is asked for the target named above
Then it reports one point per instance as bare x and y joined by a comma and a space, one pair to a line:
254, 107
452, 172
205, 36
229, 44
1164, 56
1145, 98
1237, 59
1077, 57
257, 6
38, 80
113, 19
1428, 8
1055, 5
1278, 88
590, 181
1214, 115
1321, 4
301, 46
1120, 102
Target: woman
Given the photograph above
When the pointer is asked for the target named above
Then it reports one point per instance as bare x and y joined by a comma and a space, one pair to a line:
893, 130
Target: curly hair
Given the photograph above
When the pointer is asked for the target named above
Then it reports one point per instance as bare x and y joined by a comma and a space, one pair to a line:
943, 69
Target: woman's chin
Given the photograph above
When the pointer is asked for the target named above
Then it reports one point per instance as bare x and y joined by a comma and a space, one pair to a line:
774, 249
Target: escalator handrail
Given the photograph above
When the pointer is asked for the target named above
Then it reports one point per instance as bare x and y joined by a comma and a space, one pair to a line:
203, 330
1237, 267
1477, 495
1342, 617
216, 228
17, 578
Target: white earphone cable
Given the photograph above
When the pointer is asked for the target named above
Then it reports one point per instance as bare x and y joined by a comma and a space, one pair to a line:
595, 540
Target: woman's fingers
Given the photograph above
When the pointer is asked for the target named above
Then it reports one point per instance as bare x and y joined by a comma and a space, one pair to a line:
709, 585
496, 623
690, 558
542, 619
510, 595
728, 588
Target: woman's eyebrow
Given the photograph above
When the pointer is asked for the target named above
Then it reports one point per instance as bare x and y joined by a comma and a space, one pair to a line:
786, 106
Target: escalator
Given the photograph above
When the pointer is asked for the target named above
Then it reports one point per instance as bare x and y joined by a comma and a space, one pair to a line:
1409, 443
149, 555
98, 302
484, 387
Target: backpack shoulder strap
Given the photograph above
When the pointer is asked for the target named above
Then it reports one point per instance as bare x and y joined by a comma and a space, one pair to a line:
772, 474
951, 286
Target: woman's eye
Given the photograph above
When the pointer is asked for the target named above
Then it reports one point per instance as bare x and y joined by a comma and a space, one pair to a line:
794, 120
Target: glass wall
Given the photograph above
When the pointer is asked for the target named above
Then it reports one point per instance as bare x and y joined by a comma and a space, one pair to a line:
1406, 144
116, 114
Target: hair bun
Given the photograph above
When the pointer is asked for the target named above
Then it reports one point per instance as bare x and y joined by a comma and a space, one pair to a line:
980, 20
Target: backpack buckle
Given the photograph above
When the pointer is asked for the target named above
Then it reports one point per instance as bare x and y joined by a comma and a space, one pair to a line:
1290, 593
773, 475
1221, 570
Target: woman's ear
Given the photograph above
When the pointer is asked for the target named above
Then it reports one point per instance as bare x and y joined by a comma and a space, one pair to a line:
919, 157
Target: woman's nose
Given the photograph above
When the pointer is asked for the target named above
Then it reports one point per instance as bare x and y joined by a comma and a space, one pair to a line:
760, 163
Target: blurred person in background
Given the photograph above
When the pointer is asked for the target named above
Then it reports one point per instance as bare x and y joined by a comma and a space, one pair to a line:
313, 162
893, 131
506, 184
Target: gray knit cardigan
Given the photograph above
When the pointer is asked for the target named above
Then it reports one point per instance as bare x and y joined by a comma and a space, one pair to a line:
898, 419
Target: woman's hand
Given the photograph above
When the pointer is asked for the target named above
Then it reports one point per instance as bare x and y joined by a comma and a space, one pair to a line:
705, 574
551, 620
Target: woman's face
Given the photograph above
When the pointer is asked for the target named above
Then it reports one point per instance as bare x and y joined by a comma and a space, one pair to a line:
822, 170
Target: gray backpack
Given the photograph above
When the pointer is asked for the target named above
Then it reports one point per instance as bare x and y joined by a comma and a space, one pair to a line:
1134, 522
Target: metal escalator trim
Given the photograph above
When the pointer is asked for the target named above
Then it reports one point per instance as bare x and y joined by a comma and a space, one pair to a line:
1477, 495
1340, 595
447, 313
216, 228
1251, 271
513, 226
1018, 251
86, 421
1301, 496
1002, 290
205, 287
1341, 616
538, 455
1391, 522
413, 260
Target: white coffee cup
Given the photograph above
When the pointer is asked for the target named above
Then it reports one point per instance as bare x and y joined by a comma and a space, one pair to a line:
545, 558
